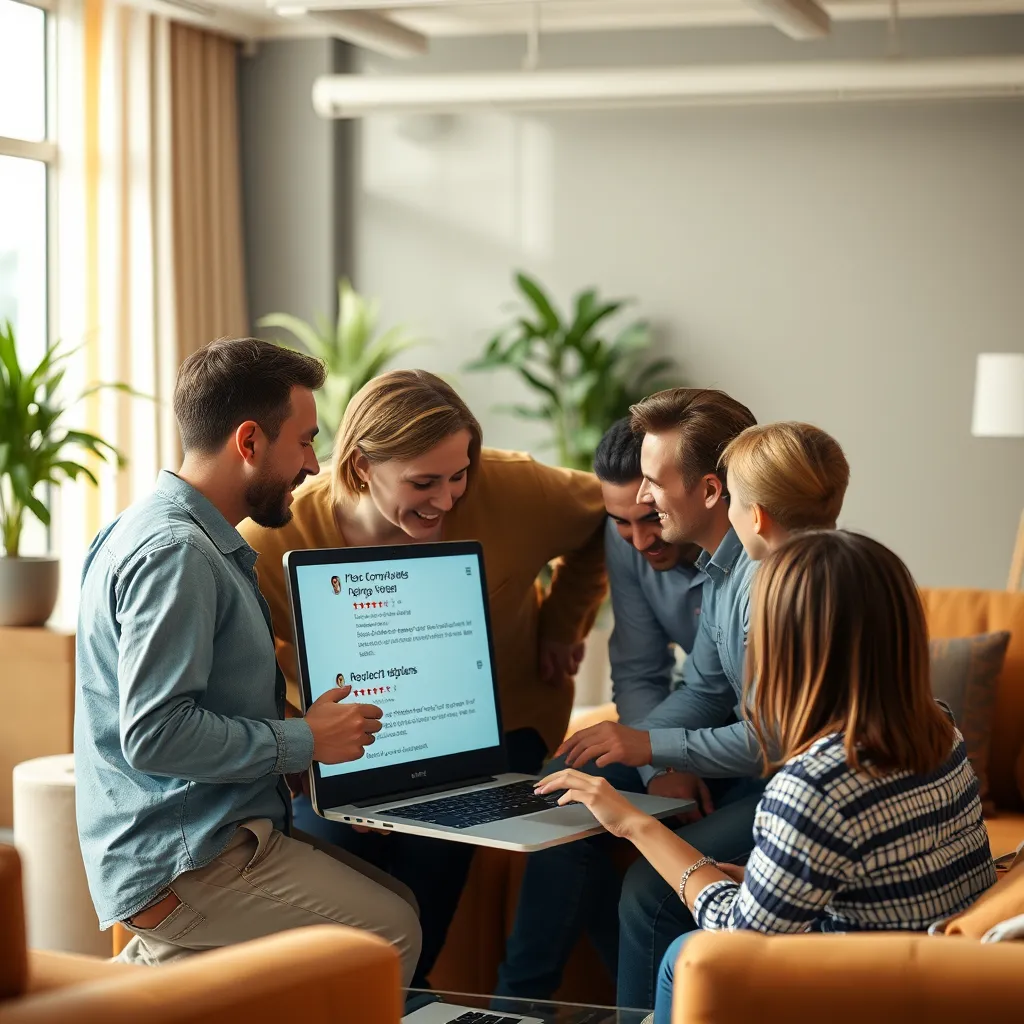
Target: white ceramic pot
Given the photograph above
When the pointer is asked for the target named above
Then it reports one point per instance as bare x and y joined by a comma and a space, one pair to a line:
28, 590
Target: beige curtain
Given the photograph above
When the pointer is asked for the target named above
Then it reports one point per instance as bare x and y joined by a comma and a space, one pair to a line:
150, 257
209, 269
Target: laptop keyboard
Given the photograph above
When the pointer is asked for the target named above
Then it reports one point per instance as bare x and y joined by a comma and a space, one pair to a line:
482, 1017
477, 808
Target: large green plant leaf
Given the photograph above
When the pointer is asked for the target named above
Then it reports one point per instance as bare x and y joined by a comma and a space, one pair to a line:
551, 322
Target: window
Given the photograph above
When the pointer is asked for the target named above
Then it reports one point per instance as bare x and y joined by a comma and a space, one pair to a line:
25, 153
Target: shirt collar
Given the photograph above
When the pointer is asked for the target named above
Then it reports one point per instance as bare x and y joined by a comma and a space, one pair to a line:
209, 518
720, 565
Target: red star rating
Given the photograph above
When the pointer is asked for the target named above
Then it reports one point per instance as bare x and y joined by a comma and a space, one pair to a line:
355, 604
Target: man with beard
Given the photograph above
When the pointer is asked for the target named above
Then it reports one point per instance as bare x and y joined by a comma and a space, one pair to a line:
181, 743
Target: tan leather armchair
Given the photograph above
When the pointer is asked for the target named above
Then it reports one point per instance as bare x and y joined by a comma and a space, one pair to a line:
722, 978
323, 975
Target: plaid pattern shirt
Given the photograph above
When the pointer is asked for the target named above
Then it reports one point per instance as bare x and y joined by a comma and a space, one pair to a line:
838, 850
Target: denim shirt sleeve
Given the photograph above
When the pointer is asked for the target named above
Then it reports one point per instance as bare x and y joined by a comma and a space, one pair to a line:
166, 609
639, 652
723, 752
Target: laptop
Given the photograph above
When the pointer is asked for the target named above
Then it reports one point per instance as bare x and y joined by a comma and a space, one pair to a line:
408, 628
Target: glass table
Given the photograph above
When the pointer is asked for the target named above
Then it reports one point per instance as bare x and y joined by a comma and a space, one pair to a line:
512, 1010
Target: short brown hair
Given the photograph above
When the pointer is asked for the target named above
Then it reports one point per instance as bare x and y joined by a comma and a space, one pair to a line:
707, 420
797, 473
839, 643
237, 379
401, 414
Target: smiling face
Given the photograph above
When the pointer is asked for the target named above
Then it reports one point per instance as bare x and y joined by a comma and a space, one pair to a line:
416, 494
638, 525
284, 464
682, 512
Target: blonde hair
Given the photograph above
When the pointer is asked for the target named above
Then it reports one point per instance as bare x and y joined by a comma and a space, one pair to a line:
401, 414
797, 473
839, 644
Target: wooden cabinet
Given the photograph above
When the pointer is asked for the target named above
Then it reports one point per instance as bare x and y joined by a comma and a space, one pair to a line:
37, 700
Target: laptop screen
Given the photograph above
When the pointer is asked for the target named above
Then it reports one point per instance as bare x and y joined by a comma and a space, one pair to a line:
410, 636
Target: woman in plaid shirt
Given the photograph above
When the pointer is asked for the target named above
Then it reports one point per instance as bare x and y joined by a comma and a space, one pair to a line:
872, 820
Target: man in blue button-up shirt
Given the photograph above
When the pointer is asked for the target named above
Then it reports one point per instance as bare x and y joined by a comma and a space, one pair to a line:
696, 733
656, 594
180, 736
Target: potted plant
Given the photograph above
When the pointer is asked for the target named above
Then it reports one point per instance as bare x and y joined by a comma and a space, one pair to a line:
36, 450
583, 381
351, 349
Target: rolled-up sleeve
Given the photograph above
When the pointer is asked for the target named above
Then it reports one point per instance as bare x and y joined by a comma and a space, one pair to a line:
166, 609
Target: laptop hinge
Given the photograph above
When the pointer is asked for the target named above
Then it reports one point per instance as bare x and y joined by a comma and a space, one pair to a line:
387, 798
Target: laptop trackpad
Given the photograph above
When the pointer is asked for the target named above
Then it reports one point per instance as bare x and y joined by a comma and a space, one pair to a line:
571, 816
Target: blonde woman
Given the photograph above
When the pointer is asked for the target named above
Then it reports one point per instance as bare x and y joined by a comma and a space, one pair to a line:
783, 477
873, 820
409, 467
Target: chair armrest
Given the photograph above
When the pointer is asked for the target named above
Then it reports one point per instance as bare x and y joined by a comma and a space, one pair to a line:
48, 971
846, 979
318, 975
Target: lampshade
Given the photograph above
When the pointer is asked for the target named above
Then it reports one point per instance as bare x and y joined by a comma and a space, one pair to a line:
999, 395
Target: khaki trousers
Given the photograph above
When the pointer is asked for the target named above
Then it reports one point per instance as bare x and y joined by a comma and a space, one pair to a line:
266, 882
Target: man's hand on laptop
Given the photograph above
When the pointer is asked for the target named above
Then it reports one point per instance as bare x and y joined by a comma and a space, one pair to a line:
607, 743
341, 732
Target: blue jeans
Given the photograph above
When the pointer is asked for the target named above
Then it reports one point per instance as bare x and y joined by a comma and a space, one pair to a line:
651, 915
666, 973
566, 890
434, 869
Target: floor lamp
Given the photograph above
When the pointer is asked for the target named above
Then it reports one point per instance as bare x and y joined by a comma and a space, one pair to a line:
999, 412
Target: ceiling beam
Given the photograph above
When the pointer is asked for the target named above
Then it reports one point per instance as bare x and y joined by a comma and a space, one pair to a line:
360, 28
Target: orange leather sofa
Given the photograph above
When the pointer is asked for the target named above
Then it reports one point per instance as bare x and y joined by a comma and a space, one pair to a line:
888, 979
303, 975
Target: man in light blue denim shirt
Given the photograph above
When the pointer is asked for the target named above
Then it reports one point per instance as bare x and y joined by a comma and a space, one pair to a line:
180, 736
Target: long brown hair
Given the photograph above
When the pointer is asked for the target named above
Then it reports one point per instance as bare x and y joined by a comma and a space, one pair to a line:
839, 643
401, 414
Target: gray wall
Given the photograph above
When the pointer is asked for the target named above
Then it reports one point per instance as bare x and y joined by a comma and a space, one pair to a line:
842, 265
296, 180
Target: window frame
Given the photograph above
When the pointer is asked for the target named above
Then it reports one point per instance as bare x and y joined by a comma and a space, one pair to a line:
45, 152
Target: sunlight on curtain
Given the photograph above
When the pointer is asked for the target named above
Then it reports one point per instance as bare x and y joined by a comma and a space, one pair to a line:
115, 292
150, 258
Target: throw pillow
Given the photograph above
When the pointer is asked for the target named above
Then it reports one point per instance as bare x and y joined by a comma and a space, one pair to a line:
965, 674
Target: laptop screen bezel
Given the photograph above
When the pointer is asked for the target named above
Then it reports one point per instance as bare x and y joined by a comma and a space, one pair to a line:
411, 776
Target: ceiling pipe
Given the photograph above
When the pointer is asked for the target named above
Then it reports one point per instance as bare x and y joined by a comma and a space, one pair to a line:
354, 96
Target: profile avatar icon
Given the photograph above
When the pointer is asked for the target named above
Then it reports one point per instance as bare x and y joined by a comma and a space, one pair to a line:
336, 584
341, 679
